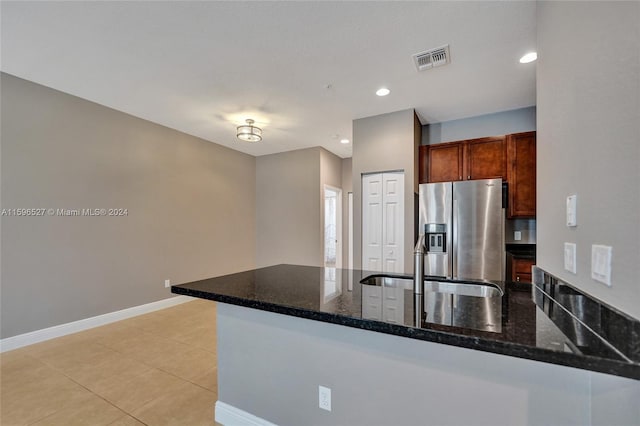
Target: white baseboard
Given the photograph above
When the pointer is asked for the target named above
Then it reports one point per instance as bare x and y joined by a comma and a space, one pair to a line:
228, 415
25, 339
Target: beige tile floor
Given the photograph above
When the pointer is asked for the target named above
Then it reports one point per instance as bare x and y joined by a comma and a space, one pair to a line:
153, 369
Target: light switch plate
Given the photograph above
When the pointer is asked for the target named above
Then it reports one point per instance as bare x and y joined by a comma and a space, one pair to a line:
601, 263
570, 257
572, 201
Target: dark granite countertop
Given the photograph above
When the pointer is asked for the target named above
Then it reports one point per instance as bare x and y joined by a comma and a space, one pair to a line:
539, 328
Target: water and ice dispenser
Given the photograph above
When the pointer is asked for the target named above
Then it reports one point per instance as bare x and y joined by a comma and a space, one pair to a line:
435, 237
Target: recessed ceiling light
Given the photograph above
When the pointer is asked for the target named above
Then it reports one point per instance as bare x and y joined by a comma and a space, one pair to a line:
383, 91
529, 57
345, 141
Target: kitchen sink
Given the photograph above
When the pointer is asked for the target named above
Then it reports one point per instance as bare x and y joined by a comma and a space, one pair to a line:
465, 288
466, 304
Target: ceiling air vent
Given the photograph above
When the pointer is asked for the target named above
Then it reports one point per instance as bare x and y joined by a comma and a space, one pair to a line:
432, 58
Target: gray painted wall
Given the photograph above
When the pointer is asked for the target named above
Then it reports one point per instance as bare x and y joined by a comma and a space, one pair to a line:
588, 133
289, 200
271, 366
330, 170
499, 123
288, 218
383, 143
191, 207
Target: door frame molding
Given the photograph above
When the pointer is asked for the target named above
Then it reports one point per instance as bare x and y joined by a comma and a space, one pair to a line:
338, 223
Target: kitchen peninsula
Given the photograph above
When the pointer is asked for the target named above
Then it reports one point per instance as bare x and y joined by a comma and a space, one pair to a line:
284, 330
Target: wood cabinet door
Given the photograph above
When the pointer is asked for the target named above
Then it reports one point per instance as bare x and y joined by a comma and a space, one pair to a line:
445, 162
521, 174
521, 270
485, 158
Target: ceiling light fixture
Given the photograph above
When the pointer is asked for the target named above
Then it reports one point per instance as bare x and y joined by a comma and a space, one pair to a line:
529, 57
344, 141
248, 132
383, 91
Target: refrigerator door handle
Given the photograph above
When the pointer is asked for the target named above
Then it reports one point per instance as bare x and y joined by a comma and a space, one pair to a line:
453, 255
503, 251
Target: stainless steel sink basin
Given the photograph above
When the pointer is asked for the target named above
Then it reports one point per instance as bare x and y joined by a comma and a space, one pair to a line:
463, 289
388, 281
467, 288
466, 304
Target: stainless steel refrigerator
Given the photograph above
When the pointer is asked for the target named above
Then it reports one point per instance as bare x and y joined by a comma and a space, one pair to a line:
464, 226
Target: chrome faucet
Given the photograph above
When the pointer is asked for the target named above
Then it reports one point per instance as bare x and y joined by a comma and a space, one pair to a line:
418, 265
418, 280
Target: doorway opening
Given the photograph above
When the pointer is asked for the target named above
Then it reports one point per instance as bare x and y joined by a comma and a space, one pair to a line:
332, 227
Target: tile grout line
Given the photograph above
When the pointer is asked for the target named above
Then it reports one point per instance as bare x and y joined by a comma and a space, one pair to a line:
142, 361
82, 386
159, 368
52, 367
43, 359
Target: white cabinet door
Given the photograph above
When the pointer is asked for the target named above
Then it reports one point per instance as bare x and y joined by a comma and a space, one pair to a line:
383, 222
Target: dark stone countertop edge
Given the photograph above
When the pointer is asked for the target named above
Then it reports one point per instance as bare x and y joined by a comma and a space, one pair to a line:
584, 362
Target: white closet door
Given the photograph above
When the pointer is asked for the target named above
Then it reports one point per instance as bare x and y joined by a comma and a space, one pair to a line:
383, 222
393, 222
372, 222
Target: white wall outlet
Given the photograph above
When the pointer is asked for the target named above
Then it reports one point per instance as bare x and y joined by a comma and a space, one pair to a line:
572, 203
601, 263
570, 257
167, 283
517, 235
324, 398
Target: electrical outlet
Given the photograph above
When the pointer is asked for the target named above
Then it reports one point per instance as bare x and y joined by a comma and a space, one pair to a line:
167, 283
324, 398
517, 235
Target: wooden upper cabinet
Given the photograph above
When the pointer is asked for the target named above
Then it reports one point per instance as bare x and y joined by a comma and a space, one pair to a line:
445, 162
521, 174
482, 158
511, 157
423, 162
485, 158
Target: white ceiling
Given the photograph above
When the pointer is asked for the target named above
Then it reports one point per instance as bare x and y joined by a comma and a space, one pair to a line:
302, 70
